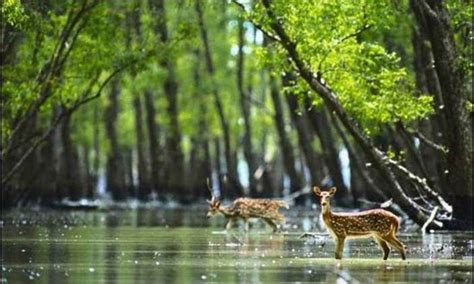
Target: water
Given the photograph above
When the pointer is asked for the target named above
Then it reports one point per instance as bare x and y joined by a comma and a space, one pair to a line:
182, 246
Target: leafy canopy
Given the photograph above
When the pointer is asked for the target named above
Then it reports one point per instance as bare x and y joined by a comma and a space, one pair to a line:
336, 39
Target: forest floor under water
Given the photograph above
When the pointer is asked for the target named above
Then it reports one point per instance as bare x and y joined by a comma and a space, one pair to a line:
180, 245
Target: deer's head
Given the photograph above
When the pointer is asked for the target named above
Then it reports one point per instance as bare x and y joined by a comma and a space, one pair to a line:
214, 206
324, 195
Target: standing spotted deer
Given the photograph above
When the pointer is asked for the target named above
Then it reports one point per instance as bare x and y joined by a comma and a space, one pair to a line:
380, 224
246, 208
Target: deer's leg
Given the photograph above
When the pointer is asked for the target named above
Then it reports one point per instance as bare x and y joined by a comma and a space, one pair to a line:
230, 223
384, 246
339, 247
396, 244
272, 224
400, 246
246, 225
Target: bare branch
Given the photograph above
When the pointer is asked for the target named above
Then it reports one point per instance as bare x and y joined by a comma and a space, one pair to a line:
421, 182
431, 219
428, 142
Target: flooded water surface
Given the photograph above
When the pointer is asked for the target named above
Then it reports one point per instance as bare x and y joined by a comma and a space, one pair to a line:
183, 246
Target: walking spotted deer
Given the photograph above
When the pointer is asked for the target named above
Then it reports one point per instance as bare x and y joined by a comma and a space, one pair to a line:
380, 224
246, 208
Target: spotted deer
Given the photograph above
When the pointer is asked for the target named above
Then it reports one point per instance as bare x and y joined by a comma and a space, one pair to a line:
380, 224
246, 208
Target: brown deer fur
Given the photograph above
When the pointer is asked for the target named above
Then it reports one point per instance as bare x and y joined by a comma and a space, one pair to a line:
246, 208
380, 224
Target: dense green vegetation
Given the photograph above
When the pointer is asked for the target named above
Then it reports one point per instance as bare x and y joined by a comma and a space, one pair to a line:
148, 98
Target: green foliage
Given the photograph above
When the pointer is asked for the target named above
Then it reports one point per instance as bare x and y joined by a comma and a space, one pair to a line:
369, 81
13, 14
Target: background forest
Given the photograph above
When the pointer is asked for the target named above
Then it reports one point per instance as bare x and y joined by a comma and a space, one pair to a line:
147, 99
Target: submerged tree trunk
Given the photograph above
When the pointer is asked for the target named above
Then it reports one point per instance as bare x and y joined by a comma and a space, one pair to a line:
116, 179
231, 176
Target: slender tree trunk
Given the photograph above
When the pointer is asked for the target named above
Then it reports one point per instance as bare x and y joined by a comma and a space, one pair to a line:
143, 176
201, 164
305, 139
358, 166
71, 178
144, 184
231, 177
434, 16
245, 108
323, 129
116, 175
87, 172
155, 149
174, 166
427, 81
289, 160
96, 144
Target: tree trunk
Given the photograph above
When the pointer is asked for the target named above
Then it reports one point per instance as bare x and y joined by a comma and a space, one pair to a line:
322, 127
96, 145
372, 192
289, 160
245, 108
231, 177
174, 165
451, 78
305, 139
143, 176
116, 179
144, 184
154, 143
201, 164
69, 172
427, 81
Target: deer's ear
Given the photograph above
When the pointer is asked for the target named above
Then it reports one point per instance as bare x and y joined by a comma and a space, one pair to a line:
332, 190
218, 203
209, 201
317, 191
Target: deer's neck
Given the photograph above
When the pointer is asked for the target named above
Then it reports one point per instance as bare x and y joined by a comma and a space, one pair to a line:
326, 212
226, 211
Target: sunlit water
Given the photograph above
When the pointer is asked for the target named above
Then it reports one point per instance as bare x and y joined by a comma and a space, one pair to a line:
183, 246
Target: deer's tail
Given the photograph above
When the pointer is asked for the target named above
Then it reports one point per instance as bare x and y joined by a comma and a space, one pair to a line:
395, 225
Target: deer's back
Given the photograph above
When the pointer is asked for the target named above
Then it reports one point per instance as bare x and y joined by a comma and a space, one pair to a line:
253, 207
363, 223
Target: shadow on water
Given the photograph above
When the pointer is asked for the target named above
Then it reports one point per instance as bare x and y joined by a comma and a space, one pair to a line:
183, 246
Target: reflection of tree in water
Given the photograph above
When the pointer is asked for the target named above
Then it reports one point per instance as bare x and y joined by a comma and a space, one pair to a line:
112, 256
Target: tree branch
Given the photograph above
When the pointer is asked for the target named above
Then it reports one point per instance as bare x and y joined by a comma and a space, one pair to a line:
421, 182
428, 142
257, 25
340, 41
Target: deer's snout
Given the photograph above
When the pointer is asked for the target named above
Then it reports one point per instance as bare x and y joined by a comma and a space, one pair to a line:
324, 203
